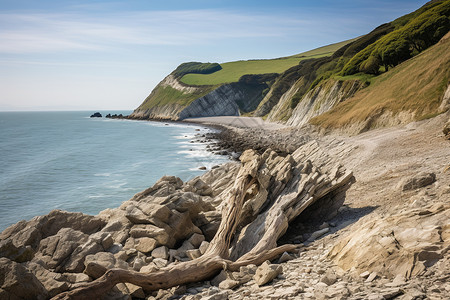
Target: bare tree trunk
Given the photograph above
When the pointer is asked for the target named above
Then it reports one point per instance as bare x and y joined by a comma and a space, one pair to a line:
256, 242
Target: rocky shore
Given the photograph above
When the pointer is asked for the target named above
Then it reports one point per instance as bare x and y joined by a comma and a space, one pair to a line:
389, 239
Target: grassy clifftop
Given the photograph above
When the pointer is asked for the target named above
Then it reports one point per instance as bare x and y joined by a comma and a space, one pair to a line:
232, 71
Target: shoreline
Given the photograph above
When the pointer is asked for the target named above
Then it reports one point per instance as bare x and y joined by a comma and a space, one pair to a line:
125, 237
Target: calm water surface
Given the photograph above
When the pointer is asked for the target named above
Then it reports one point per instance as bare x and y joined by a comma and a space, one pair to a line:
66, 160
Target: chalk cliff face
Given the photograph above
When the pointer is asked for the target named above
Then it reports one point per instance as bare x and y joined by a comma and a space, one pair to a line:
220, 102
323, 98
173, 100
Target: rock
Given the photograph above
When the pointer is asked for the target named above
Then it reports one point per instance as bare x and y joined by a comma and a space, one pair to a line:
318, 233
97, 264
135, 291
54, 283
181, 252
364, 274
193, 254
75, 263
267, 272
138, 263
228, 284
372, 277
161, 252
17, 282
145, 244
219, 278
149, 268
399, 280
96, 115
202, 168
446, 130
196, 240
76, 277
203, 247
418, 181
285, 257
17, 254
160, 263
405, 243
159, 234
329, 278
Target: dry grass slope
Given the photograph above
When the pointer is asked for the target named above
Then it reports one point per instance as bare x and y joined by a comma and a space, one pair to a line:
415, 86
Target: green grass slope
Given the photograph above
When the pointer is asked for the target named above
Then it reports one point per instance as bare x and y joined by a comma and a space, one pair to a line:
232, 71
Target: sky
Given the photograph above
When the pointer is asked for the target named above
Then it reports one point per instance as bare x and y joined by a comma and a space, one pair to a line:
109, 55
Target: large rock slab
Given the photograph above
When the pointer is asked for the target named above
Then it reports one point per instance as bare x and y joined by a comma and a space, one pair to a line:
16, 282
404, 244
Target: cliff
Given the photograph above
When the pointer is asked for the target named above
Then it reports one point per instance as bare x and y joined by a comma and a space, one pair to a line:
174, 100
344, 79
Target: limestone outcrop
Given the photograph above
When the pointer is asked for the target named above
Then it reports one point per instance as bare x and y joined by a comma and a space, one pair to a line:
403, 244
173, 222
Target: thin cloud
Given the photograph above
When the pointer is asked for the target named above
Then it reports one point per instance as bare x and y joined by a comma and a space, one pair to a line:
36, 33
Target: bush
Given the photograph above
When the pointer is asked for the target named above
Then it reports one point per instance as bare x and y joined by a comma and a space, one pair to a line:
196, 68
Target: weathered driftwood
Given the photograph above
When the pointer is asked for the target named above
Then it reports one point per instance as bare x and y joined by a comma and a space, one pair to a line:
251, 200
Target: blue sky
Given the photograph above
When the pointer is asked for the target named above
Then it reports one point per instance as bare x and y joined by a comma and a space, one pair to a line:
108, 55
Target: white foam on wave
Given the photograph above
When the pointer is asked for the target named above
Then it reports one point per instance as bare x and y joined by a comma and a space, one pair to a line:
102, 174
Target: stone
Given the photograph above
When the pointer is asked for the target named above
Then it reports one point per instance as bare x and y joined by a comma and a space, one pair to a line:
193, 254
138, 263
266, 273
407, 242
149, 230
97, 264
446, 129
149, 268
181, 252
420, 180
285, 257
318, 233
161, 252
329, 278
364, 274
196, 239
228, 284
219, 278
160, 263
17, 282
372, 277
135, 291
145, 244
115, 248
76, 277
53, 282
203, 247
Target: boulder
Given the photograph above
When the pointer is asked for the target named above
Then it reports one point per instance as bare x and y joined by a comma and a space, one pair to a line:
54, 250
97, 264
94, 244
145, 244
54, 283
266, 273
17, 282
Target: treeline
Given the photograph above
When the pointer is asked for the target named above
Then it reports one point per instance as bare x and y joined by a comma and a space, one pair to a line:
196, 68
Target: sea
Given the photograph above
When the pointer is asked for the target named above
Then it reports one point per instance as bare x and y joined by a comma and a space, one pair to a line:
69, 161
